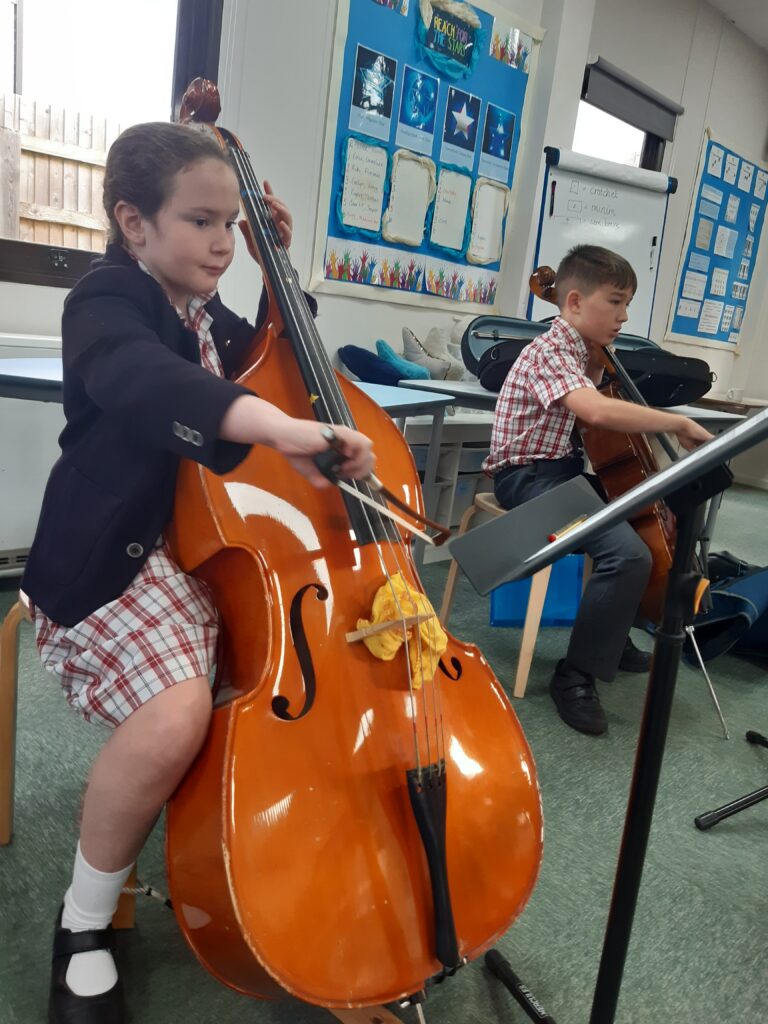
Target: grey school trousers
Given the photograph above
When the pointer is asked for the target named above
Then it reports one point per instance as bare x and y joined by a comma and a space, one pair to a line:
622, 565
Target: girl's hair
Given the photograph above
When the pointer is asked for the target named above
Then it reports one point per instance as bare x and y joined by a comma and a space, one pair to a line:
587, 267
143, 161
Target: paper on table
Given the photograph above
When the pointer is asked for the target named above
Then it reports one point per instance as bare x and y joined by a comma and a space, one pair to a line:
489, 204
412, 190
451, 204
363, 193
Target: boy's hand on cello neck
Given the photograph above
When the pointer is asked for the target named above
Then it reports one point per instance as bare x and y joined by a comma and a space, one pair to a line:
251, 420
597, 410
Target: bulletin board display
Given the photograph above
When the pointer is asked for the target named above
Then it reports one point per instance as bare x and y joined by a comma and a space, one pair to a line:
723, 236
425, 117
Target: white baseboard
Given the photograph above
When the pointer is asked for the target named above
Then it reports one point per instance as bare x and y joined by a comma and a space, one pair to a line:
761, 482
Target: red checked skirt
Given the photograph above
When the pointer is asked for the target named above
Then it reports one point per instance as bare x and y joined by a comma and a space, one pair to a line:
162, 630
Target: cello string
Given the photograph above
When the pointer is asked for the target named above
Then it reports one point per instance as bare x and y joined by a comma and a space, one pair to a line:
254, 202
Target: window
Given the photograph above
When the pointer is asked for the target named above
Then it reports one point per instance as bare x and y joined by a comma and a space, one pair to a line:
82, 71
601, 135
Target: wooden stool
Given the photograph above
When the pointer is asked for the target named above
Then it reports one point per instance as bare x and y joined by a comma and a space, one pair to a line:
9, 680
486, 502
9, 673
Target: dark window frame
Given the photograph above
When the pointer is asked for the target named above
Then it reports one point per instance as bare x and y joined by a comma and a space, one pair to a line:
198, 41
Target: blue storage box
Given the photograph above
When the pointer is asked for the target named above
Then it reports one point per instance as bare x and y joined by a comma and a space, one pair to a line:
510, 601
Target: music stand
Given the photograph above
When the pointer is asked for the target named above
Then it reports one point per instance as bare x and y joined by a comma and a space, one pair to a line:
685, 486
710, 818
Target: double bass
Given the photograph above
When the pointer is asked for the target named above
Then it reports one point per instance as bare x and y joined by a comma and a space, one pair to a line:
622, 460
353, 826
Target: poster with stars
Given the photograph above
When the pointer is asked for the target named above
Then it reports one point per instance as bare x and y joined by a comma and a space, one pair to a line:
462, 112
420, 81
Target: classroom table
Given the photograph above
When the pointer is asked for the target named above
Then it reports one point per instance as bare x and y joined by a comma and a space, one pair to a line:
39, 380
472, 395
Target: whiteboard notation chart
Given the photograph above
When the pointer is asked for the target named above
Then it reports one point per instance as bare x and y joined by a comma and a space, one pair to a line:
587, 201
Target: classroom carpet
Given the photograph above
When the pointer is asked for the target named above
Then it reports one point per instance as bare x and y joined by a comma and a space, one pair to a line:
697, 953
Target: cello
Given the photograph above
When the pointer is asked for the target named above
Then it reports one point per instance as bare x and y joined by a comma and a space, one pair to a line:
622, 460
353, 826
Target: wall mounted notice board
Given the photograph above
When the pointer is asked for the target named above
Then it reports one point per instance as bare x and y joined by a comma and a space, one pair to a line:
724, 227
587, 201
425, 116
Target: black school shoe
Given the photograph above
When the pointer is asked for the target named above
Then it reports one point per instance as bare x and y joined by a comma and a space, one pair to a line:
633, 659
64, 1006
576, 700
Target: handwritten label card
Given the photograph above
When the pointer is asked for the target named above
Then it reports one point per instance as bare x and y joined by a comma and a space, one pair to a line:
364, 179
451, 205
412, 190
489, 205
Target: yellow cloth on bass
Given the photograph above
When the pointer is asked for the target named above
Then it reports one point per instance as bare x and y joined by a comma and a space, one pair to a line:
396, 601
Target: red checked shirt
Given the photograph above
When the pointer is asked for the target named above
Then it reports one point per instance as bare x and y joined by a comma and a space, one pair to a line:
530, 423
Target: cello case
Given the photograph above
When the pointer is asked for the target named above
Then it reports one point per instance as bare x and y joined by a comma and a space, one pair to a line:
491, 344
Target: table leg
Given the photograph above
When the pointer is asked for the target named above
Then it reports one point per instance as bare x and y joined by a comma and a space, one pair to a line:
429, 487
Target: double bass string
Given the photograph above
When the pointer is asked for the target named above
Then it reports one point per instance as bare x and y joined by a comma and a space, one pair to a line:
258, 214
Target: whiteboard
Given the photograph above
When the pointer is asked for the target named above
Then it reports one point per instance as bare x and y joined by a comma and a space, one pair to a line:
587, 201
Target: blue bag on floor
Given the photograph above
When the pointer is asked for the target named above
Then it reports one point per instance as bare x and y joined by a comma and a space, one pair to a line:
738, 621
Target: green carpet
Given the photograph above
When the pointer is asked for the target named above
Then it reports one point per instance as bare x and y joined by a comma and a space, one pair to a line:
697, 954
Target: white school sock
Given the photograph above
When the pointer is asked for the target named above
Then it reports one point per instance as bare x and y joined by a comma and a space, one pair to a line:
89, 904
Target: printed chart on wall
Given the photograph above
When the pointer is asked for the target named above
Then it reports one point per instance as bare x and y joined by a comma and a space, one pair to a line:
724, 229
424, 122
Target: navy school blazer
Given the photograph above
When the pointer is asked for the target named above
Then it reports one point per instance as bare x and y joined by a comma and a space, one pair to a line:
136, 401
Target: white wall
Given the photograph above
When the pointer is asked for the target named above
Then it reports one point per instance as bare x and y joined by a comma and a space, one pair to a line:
275, 99
276, 103
682, 48
30, 309
690, 53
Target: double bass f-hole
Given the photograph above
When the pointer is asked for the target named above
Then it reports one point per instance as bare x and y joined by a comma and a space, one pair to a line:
303, 653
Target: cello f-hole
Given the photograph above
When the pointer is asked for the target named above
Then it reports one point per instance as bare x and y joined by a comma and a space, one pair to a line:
455, 665
303, 653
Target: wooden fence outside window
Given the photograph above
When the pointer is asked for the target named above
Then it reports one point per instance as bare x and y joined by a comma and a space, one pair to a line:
51, 174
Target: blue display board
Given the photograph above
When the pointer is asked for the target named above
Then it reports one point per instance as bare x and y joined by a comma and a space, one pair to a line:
427, 125
723, 237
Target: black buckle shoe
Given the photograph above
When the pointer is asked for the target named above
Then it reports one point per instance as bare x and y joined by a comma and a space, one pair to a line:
576, 700
633, 659
64, 1007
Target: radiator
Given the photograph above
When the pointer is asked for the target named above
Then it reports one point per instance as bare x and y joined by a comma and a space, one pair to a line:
28, 448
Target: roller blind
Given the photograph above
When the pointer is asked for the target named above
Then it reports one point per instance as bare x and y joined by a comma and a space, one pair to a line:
617, 93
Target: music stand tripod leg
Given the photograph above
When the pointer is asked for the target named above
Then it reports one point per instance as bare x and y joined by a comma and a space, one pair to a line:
710, 818
688, 506
692, 637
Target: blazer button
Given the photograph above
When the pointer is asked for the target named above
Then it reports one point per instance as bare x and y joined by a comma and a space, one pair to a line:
134, 550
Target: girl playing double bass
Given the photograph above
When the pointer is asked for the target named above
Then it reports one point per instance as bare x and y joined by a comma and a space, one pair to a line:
147, 347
